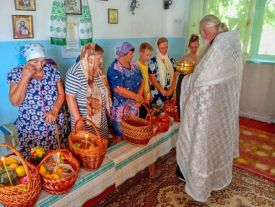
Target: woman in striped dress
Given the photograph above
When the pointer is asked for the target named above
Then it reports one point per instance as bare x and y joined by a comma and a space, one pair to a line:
87, 90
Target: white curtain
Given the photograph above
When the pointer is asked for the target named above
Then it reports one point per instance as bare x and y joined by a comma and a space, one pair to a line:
258, 92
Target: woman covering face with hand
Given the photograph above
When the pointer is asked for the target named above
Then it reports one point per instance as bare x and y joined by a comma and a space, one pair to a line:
87, 90
37, 90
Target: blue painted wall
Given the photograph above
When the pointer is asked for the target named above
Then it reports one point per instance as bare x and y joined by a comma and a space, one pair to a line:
10, 58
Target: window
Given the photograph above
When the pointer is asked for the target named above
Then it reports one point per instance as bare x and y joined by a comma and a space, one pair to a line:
267, 45
255, 19
234, 13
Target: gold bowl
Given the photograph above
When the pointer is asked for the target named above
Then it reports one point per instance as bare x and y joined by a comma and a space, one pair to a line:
185, 67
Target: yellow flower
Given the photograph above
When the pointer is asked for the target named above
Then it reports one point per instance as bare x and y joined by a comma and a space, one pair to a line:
39, 152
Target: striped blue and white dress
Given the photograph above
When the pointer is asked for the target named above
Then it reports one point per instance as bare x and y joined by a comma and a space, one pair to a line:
76, 85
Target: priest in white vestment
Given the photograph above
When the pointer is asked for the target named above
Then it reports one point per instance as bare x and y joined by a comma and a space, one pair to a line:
209, 129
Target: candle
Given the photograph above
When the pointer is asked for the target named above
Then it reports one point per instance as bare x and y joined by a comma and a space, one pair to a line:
86, 137
3, 160
58, 158
57, 135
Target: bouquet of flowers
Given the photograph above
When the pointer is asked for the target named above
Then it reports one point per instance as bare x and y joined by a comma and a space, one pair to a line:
37, 154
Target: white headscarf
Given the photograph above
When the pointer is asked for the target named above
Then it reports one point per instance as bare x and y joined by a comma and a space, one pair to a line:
33, 51
165, 67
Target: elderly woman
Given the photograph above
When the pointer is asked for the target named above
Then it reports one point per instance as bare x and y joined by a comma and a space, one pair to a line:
87, 91
162, 75
126, 84
37, 89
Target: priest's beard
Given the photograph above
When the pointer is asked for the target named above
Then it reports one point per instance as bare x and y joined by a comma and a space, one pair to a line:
205, 47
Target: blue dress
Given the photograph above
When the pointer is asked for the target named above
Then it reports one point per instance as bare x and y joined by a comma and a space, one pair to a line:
131, 79
40, 97
158, 98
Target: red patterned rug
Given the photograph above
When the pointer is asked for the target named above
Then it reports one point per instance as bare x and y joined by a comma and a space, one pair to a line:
165, 190
257, 152
257, 125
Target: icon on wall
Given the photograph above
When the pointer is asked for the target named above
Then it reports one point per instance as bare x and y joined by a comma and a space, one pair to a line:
167, 4
27, 5
112, 16
73, 7
22, 26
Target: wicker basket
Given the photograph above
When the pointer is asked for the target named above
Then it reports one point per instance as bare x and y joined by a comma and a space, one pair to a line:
23, 195
163, 122
89, 158
136, 130
63, 185
171, 109
160, 119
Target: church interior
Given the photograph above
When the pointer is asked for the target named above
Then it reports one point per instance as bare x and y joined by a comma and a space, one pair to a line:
111, 103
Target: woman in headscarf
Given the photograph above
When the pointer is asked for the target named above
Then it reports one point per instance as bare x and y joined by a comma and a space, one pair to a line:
126, 84
37, 90
87, 91
162, 75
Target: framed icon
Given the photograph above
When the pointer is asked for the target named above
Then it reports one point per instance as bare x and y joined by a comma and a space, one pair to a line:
112, 16
22, 26
27, 5
73, 7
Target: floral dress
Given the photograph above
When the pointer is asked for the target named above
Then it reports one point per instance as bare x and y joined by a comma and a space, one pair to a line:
40, 97
131, 79
158, 98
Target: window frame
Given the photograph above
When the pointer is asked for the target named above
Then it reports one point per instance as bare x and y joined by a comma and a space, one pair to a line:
255, 20
256, 34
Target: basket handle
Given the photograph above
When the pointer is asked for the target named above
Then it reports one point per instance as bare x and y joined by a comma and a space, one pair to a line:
52, 153
148, 111
90, 124
22, 162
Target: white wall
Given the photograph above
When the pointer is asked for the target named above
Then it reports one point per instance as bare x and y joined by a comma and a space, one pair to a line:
150, 19
40, 19
258, 92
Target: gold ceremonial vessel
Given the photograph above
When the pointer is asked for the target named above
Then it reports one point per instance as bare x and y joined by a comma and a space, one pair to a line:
185, 67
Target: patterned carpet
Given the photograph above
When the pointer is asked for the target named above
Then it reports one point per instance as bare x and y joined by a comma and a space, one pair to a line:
257, 152
163, 189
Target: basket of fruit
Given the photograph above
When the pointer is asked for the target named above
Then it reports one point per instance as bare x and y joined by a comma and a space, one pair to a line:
20, 182
160, 119
59, 171
135, 129
90, 149
171, 109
